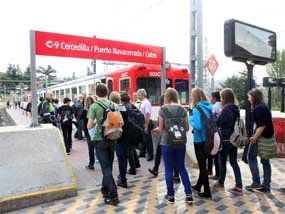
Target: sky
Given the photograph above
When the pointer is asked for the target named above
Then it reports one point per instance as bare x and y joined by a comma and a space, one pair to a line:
162, 23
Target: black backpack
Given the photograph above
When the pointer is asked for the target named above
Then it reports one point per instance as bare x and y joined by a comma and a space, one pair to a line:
135, 124
211, 130
175, 126
137, 116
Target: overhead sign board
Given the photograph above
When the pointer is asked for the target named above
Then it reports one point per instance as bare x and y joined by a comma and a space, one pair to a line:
212, 64
54, 44
243, 41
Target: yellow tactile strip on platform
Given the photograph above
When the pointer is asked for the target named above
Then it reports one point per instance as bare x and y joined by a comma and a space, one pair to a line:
145, 195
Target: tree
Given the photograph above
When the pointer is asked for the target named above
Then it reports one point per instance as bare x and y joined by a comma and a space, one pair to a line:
27, 76
47, 74
237, 83
277, 69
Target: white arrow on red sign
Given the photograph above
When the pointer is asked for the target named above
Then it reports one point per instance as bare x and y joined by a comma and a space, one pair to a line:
212, 64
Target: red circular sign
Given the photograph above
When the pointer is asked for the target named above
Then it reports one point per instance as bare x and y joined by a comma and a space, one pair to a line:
212, 64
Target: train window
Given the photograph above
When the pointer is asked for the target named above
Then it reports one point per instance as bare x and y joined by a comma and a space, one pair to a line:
182, 87
168, 83
57, 94
103, 81
110, 86
73, 94
125, 85
67, 92
82, 89
152, 87
61, 95
91, 88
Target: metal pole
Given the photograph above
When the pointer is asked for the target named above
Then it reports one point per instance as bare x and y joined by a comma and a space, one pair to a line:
282, 99
200, 64
269, 98
192, 57
163, 72
248, 113
94, 62
212, 83
33, 80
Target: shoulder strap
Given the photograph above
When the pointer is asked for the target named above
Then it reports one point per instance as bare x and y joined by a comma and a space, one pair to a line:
166, 112
202, 113
102, 105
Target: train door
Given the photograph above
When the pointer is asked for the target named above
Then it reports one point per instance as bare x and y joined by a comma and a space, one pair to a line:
110, 85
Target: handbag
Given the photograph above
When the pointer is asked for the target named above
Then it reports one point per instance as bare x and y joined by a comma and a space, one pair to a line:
267, 148
238, 137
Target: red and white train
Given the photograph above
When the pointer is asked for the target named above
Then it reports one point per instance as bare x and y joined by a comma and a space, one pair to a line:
130, 79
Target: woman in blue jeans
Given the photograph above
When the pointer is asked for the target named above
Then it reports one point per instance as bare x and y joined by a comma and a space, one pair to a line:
226, 122
173, 155
263, 127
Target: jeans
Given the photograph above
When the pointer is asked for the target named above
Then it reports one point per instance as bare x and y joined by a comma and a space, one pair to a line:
252, 162
133, 158
80, 127
174, 157
67, 136
105, 155
203, 179
157, 161
231, 151
121, 151
91, 152
216, 162
91, 146
147, 144
157, 158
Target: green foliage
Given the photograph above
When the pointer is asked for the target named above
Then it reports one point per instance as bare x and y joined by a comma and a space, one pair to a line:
277, 70
237, 83
13, 77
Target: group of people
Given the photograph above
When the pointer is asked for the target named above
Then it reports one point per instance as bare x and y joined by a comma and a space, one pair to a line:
226, 111
222, 106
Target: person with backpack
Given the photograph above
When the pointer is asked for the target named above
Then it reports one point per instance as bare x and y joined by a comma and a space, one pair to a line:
226, 122
173, 127
133, 132
199, 100
145, 108
217, 108
104, 146
65, 114
46, 110
154, 170
263, 129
